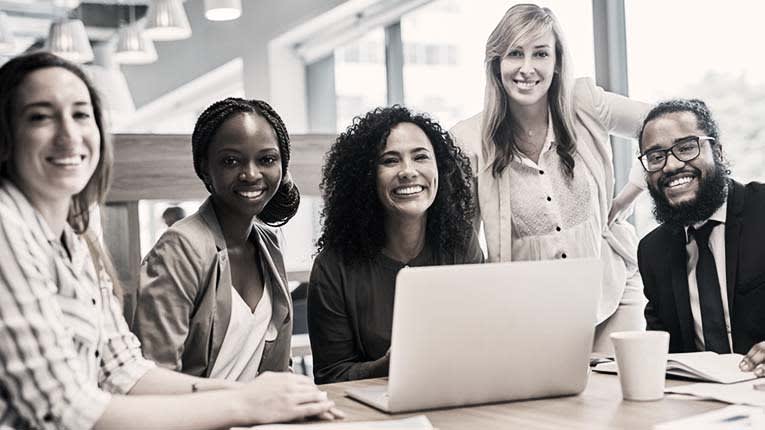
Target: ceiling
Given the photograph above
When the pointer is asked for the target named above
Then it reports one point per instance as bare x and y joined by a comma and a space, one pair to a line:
30, 19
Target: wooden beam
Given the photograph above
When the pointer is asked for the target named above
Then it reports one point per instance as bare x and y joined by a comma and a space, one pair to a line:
153, 166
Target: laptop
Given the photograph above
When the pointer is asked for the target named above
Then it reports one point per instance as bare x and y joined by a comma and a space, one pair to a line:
486, 333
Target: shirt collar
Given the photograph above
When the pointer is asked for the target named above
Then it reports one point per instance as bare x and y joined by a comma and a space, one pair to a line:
720, 215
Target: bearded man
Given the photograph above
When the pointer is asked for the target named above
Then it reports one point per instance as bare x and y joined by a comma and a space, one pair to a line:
703, 268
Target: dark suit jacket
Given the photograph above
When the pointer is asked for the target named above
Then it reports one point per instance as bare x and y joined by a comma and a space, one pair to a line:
662, 260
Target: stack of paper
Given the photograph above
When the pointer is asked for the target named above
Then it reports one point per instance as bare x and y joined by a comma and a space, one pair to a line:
703, 366
742, 393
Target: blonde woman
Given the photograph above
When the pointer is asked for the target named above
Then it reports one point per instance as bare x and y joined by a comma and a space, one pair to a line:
543, 162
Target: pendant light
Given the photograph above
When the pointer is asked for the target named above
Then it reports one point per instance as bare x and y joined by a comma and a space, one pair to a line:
167, 20
223, 10
133, 47
67, 39
7, 41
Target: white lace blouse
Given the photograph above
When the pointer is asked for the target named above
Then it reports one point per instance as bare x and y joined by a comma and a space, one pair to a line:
553, 217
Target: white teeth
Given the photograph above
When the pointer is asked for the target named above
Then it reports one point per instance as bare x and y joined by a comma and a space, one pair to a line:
680, 181
405, 191
74, 160
250, 194
525, 85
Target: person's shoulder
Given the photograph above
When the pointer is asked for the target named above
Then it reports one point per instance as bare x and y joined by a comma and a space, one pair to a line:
193, 229
754, 198
10, 211
755, 188
467, 133
656, 239
328, 258
585, 92
187, 239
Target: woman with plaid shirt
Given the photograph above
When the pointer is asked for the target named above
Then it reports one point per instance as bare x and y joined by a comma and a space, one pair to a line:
67, 358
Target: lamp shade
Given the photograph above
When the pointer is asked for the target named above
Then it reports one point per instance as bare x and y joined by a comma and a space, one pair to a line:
67, 39
133, 47
7, 41
167, 20
223, 10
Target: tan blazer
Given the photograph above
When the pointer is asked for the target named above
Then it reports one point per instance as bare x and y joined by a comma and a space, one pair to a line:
597, 114
184, 300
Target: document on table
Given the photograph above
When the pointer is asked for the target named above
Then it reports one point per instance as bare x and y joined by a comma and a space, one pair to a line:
703, 366
741, 393
729, 418
418, 422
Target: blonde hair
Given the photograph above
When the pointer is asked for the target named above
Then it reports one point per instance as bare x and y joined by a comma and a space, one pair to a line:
522, 23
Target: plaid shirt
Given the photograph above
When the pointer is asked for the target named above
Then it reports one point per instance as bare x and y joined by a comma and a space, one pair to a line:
64, 345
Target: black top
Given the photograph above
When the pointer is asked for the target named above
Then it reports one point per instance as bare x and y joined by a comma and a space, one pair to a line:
662, 259
350, 311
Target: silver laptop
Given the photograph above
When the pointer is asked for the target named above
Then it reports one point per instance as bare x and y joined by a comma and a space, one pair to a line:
484, 333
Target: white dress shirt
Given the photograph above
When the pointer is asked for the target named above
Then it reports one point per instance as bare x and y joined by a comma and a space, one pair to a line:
717, 245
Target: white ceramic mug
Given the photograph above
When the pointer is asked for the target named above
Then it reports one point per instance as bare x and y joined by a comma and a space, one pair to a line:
641, 357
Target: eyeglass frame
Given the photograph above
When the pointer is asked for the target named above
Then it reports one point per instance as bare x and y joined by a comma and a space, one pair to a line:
671, 150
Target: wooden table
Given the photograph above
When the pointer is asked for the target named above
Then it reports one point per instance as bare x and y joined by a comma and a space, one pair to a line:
600, 406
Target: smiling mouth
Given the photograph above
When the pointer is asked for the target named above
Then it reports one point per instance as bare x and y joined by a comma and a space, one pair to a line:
408, 190
250, 195
679, 180
525, 85
67, 161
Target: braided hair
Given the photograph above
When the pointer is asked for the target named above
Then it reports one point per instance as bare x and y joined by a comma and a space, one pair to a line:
284, 204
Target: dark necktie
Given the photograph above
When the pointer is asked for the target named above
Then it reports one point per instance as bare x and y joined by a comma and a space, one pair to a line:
710, 298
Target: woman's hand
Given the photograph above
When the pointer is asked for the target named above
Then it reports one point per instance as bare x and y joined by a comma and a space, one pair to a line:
754, 361
622, 205
281, 397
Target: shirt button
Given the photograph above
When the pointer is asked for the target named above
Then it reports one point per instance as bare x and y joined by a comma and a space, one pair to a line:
557, 228
93, 301
541, 172
98, 354
549, 199
48, 417
563, 255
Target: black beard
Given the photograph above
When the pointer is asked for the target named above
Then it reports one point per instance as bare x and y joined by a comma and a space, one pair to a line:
711, 195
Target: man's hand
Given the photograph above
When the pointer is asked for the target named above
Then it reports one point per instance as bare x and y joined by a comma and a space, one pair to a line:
754, 361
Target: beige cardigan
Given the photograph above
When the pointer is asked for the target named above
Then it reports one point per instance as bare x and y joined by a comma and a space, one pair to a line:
597, 114
184, 300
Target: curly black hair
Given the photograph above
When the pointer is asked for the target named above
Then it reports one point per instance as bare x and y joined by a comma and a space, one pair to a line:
284, 204
353, 216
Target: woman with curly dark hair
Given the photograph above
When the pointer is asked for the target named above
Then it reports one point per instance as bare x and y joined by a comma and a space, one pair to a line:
213, 300
396, 193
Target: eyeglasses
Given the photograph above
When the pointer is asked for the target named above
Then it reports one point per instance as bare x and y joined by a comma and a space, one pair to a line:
685, 149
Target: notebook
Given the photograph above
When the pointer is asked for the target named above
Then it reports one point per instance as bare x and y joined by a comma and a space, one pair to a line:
704, 366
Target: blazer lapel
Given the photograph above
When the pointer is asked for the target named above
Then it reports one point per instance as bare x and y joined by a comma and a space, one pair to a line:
678, 264
733, 224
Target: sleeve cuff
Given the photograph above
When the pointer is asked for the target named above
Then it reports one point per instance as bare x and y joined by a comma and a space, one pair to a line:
123, 378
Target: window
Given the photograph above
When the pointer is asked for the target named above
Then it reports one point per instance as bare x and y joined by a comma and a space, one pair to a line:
444, 44
360, 82
696, 57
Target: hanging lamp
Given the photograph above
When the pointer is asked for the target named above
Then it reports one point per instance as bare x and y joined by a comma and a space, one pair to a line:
133, 47
223, 10
167, 20
67, 39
